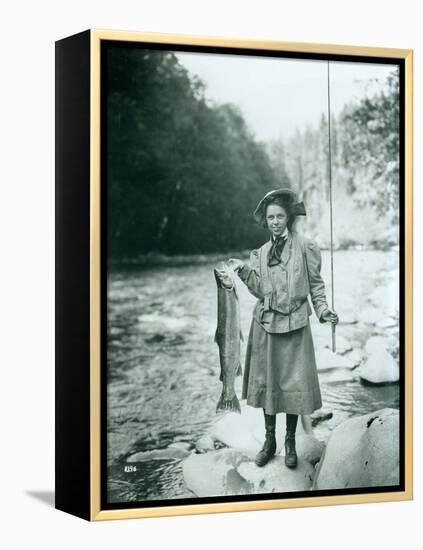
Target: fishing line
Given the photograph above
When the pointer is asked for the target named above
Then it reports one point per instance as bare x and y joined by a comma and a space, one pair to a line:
331, 214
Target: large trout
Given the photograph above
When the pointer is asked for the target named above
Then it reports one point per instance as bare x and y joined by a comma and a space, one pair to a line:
227, 337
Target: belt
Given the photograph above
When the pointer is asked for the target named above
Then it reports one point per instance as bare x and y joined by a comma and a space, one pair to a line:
266, 306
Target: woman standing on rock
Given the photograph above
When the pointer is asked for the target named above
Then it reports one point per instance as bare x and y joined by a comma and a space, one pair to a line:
280, 366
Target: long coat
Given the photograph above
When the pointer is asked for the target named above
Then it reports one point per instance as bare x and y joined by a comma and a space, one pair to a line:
280, 372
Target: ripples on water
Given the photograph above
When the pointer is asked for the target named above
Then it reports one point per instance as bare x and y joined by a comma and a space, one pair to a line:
163, 365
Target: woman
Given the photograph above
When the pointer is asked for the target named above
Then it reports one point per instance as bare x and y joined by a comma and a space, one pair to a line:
280, 366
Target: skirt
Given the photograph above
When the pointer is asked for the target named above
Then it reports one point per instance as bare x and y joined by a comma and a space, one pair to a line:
280, 372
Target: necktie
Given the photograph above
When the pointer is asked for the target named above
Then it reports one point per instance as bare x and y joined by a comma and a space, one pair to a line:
275, 252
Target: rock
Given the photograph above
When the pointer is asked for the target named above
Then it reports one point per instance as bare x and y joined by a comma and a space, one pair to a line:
327, 359
215, 474
361, 452
309, 448
181, 445
370, 315
320, 416
169, 453
387, 322
355, 356
342, 344
275, 477
245, 432
376, 343
233, 430
204, 444
380, 368
338, 376
349, 318
386, 297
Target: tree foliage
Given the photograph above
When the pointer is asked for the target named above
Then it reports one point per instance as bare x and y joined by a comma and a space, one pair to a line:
183, 174
364, 162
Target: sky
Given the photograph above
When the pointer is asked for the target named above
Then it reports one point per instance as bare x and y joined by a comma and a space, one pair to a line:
277, 95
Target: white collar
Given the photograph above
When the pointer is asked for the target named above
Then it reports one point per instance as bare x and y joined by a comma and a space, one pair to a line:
284, 234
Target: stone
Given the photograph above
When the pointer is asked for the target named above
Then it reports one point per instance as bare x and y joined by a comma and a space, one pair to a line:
361, 452
387, 322
204, 444
355, 356
370, 315
342, 344
215, 474
245, 432
349, 318
380, 368
375, 343
386, 297
337, 376
275, 477
320, 416
309, 448
180, 445
170, 453
234, 431
327, 359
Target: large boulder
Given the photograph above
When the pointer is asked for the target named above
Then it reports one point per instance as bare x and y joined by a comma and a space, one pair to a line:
275, 477
245, 432
215, 474
236, 430
361, 452
376, 343
386, 297
309, 448
380, 368
229, 472
355, 356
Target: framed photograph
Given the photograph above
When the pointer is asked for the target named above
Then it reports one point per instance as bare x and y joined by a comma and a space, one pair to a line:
233, 275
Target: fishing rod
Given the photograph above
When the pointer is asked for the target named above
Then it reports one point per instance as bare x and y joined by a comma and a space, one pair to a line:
331, 215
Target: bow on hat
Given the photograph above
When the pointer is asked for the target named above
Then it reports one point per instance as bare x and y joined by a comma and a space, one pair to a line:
287, 196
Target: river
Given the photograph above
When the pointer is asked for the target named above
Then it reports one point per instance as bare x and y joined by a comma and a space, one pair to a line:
163, 364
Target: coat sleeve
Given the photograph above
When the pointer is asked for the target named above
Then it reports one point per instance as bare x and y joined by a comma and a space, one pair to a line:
317, 285
250, 275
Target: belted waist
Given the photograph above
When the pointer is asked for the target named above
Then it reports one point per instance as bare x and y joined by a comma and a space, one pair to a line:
293, 305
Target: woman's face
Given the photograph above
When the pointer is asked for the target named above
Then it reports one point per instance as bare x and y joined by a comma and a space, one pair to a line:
276, 219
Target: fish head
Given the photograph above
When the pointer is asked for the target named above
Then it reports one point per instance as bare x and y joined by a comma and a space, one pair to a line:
224, 276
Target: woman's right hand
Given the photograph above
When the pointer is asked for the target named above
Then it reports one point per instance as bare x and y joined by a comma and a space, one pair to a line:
236, 264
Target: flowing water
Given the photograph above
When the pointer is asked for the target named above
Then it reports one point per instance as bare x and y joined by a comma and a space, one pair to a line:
163, 365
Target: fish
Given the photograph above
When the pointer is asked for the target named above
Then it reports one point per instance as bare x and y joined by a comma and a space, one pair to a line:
228, 337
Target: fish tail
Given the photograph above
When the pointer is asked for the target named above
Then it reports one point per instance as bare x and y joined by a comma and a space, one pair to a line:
225, 404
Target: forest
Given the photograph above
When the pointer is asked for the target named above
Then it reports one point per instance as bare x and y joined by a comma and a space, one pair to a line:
185, 173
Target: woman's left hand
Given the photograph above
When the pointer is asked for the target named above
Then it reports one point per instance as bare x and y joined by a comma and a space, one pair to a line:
330, 316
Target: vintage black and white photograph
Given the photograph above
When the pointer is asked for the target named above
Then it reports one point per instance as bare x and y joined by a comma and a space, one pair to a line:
253, 255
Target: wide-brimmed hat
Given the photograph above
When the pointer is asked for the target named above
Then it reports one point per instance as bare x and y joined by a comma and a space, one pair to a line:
288, 197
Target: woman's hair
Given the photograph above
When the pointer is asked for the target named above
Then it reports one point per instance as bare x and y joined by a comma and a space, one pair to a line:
280, 202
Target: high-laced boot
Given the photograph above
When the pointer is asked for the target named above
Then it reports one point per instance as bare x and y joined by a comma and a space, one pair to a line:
291, 458
269, 447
